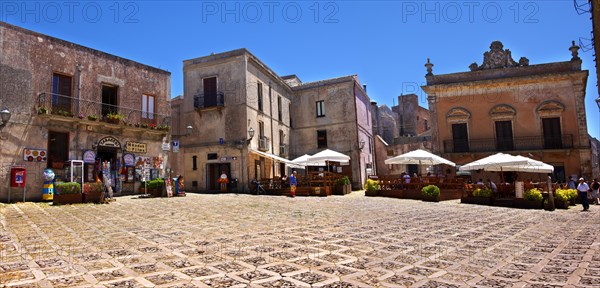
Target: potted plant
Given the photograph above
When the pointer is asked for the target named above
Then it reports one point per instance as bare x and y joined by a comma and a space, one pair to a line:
342, 186
431, 193
153, 187
93, 192
92, 117
573, 194
371, 187
114, 118
42, 110
80, 116
482, 196
67, 193
532, 199
561, 198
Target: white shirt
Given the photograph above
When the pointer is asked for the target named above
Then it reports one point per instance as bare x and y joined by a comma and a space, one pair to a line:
583, 187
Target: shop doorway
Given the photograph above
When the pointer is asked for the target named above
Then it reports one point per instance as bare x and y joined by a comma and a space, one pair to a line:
108, 154
58, 149
213, 172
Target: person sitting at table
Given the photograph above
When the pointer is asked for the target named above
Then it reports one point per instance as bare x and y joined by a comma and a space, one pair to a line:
480, 182
406, 177
492, 185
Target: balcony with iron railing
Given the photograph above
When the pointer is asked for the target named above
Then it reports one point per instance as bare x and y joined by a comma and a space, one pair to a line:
509, 144
211, 100
283, 150
73, 109
263, 144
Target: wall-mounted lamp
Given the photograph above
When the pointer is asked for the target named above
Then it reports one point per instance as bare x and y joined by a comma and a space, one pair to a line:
361, 144
4, 116
250, 134
189, 129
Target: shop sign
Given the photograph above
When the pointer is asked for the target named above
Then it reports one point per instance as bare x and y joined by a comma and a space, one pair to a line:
35, 155
129, 159
136, 147
166, 146
109, 141
89, 157
175, 145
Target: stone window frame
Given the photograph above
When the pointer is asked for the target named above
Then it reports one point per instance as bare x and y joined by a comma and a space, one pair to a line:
457, 115
502, 112
550, 109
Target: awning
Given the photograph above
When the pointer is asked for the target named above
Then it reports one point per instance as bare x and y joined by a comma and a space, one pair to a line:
277, 158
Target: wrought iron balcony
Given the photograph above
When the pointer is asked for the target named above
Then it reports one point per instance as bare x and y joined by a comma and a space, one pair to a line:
283, 150
82, 109
204, 101
263, 144
509, 144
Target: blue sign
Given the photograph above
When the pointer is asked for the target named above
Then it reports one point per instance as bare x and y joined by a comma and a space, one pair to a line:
221, 141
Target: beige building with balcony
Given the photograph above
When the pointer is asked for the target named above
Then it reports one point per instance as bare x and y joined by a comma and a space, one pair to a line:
248, 121
70, 102
536, 111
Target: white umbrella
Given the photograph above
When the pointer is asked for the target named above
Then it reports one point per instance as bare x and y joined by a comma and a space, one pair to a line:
299, 162
326, 156
533, 166
419, 157
495, 162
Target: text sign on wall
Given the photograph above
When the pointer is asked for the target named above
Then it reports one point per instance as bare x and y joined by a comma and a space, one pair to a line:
109, 141
89, 157
136, 147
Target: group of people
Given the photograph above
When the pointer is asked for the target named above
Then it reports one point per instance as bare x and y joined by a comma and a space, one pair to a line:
586, 191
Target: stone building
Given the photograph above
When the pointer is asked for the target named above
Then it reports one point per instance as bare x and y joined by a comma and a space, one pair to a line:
248, 121
403, 128
70, 102
509, 106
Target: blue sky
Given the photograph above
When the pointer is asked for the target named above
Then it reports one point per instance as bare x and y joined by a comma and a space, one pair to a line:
385, 42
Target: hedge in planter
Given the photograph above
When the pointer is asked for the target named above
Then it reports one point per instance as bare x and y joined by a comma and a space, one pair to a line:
153, 187
67, 193
431, 193
342, 186
482, 196
371, 187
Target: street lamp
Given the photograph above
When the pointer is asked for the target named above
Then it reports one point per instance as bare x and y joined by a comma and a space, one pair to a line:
4, 116
250, 133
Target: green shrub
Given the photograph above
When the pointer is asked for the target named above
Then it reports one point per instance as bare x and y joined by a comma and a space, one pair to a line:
67, 187
573, 194
482, 192
156, 183
431, 190
95, 187
372, 185
533, 195
562, 195
342, 181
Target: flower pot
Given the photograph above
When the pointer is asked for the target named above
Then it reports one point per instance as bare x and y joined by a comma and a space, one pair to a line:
482, 200
429, 198
561, 204
525, 204
61, 199
371, 193
93, 197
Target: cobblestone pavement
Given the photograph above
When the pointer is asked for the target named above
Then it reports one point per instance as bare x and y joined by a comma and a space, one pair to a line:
261, 241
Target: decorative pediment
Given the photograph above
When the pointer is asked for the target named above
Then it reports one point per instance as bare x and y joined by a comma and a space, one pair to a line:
502, 111
498, 57
458, 115
550, 108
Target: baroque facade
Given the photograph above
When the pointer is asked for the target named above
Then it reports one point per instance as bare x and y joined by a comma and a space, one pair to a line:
510, 106
60, 95
229, 94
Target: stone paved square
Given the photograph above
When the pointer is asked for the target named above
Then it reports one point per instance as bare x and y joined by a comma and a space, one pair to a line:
260, 241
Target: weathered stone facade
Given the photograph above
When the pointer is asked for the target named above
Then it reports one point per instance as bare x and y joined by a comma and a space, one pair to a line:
31, 63
501, 105
281, 112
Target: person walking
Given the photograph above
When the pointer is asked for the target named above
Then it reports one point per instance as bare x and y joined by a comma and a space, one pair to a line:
571, 184
583, 189
595, 192
293, 184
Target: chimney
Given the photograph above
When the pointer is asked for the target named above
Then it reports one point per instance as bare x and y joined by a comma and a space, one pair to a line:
365, 87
